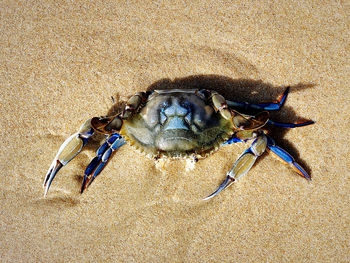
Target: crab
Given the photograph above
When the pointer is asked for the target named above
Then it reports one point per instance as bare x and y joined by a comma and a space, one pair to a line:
180, 123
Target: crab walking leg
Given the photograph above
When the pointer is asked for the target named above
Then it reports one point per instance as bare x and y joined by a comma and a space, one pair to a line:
276, 105
68, 150
286, 158
290, 125
103, 154
243, 163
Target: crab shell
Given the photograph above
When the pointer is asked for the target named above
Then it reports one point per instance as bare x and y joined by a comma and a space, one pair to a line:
178, 123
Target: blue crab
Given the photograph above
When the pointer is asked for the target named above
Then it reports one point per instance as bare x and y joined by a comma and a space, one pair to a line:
179, 123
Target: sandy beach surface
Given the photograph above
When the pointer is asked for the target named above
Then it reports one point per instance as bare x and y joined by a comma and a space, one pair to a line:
62, 62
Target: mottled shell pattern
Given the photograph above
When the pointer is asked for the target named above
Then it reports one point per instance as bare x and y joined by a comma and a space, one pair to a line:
177, 123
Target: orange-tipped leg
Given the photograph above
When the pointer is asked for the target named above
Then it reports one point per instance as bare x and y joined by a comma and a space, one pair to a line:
275, 105
286, 158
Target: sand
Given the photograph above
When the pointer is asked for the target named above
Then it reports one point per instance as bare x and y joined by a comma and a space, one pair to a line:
61, 62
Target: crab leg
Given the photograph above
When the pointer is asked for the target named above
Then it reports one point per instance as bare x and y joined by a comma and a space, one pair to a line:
276, 105
68, 150
286, 158
103, 154
290, 125
243, 164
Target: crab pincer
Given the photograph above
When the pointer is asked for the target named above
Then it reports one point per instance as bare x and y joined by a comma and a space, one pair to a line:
243, 164
68, 150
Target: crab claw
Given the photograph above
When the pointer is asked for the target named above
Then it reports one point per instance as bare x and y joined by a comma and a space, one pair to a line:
68, 150
243, 164
53, 170
228, 181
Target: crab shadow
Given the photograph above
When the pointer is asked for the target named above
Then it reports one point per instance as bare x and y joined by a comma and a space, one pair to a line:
240, 90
